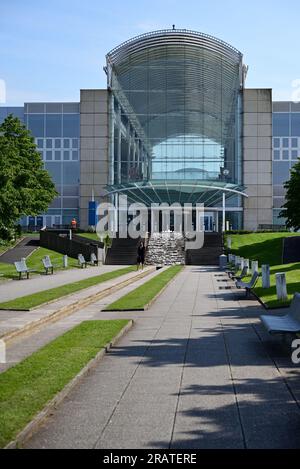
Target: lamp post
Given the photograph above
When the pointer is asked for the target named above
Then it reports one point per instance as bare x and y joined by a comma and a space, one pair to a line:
225, 174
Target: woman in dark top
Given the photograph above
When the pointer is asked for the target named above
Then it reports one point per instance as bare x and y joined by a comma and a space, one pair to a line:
140, 255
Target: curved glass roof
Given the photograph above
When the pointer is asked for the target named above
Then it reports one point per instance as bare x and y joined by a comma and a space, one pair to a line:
199, 191
182, 72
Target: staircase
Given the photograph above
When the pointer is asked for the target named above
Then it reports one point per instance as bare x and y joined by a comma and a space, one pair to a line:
165, 249
122, 251
209, 253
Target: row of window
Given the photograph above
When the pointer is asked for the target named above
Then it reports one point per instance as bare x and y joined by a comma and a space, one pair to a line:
57, 143
286, 142
286, 124
53, 125
59, 155
286, 155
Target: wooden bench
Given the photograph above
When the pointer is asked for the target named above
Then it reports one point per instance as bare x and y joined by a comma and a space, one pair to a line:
81, 260
248, 286
22, 268
288, 324
47, 265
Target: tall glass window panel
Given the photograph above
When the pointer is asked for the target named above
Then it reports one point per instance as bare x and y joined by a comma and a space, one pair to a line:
281, 124
57, 143
36, 124
71, 173
295, 154
66, 155
53, 125
55, 170
295, 124
281, 172
276, 155
71, 125
57, 155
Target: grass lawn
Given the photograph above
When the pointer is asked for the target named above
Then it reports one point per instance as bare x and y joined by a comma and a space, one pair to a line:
26, 388
92, 236
267, 249
141, 296
34, 261
28, 302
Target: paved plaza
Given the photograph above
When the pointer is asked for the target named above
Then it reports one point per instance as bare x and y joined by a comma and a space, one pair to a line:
197, 370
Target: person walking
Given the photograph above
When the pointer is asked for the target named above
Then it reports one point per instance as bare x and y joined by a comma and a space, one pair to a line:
140, 256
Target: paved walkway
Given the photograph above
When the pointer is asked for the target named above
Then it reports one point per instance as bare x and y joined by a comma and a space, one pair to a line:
17, 288
196, 371
11, 321
25, 247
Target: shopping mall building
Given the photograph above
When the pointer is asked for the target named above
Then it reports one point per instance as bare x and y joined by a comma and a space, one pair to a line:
175, 124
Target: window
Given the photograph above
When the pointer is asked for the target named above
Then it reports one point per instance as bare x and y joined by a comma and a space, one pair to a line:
71, 125
70, 202
71, 173
36, 124
49, 143
40, 142
281, 172
48, 155
57, 155
285, 155
294, 143
295, 124
276, 142
281, 124
75, 155
276, 155
75, 142
55, 171
66, 155
53, 125
285, 143
295, 154
57, 143
66, 143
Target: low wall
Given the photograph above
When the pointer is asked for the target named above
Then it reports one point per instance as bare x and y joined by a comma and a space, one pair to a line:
59, 241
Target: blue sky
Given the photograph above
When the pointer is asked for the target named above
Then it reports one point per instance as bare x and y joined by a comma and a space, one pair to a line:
51, 49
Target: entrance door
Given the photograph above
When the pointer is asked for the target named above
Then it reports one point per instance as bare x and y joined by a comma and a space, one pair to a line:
208, 222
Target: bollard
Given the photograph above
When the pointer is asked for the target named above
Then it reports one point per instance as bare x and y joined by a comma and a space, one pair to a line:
229, 242
247, 265
265, 271
237, 260
242, 263
254, 267
281, 289
223, 261
65, 261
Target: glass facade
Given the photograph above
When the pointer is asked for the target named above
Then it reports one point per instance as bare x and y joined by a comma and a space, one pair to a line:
286, 150
175, 117
56, 128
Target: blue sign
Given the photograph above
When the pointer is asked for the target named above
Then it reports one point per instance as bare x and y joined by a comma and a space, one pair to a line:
92, 213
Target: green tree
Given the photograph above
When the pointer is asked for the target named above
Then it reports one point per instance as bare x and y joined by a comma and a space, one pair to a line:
291, 208
26, 188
